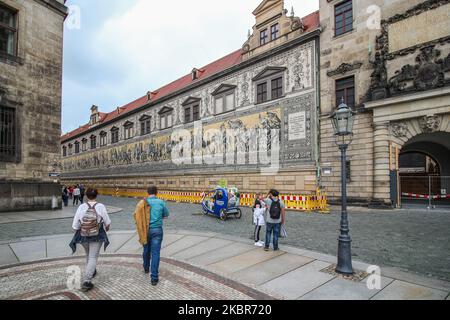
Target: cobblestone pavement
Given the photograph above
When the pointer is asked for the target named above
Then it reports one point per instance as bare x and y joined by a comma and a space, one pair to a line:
119, 277
411, 240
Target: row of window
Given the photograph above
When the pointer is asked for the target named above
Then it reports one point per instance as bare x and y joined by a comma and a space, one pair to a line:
345, 88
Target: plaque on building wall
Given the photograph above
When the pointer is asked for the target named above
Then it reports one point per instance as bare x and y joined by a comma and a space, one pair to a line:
427, 26
297, 126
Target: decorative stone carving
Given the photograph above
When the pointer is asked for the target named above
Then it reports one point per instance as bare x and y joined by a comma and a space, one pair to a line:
344, 68
430, 124
428, 73
399, 129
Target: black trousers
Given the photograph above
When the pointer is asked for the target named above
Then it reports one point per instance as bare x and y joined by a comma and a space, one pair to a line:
257, 232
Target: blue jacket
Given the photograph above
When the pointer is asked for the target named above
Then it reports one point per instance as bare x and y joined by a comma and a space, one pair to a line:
158, 212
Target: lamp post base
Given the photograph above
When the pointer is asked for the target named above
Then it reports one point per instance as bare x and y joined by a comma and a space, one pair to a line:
344, 265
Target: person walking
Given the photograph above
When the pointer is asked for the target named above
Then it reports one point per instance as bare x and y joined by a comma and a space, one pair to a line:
65, 196
152, 249
82, 193
91, 223
276, 216
76, 195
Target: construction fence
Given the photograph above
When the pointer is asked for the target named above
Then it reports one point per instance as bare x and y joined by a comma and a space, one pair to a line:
304, 203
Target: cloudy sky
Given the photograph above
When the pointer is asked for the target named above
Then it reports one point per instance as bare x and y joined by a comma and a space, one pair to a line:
117, 50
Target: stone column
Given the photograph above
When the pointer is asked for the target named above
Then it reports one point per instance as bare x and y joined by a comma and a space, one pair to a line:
381, 164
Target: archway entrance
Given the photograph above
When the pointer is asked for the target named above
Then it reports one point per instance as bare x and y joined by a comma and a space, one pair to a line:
424, 171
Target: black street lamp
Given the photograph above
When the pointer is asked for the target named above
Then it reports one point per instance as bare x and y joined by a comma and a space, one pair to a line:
342, 120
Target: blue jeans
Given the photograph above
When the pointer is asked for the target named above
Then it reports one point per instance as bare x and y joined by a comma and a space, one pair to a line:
152, 251
275, 229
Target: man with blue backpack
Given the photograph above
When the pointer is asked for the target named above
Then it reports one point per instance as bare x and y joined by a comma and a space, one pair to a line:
275, 218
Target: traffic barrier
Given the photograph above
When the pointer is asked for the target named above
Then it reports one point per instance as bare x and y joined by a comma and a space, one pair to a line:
304, 203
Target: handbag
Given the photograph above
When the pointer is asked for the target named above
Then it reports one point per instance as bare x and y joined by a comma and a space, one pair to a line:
283, 232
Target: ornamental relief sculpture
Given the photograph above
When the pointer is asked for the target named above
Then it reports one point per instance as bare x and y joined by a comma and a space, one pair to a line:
430, 124
399, 129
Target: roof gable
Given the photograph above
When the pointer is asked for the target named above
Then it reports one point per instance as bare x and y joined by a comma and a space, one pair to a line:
269, 71
267, 4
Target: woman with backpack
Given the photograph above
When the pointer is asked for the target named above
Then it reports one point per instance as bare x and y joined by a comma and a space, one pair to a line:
91, 222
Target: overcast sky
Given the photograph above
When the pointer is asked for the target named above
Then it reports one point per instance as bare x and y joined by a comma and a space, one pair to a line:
120, 49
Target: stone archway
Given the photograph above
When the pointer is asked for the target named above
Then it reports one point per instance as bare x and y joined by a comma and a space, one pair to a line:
421, 158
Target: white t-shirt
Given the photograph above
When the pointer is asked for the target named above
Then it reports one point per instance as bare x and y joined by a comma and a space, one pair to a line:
101, 211
76, 192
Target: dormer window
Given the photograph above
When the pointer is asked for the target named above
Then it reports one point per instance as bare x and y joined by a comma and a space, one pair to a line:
95, 117
224, 99
194, 74
166, 118
264, 37
129, 130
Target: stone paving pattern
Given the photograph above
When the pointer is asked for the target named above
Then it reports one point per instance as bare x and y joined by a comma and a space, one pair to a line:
411, 240
195, 266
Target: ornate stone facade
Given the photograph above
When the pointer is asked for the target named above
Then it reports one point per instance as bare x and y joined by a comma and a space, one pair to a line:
30, 86
400, 79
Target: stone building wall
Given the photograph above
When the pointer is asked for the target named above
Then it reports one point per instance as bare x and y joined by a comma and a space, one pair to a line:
30, 83
387, 62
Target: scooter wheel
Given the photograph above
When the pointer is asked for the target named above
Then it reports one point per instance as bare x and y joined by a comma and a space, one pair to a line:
223, 215
239, 214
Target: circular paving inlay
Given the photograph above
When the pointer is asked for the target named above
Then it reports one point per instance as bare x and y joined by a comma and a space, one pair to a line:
120, 277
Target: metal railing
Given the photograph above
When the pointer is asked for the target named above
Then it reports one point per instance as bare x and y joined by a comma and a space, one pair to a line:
430, 191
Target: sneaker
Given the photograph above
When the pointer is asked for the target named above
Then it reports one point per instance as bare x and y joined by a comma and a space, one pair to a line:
276, 249
146, 271
258, 244
154, 282
266, 249
262, 243
87, 286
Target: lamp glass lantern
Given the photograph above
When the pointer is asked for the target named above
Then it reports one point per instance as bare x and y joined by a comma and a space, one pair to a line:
343, 120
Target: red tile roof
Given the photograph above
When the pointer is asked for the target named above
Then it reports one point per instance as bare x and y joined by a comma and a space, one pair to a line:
311, 22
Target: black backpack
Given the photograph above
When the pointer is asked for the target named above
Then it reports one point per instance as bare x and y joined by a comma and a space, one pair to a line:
275, 210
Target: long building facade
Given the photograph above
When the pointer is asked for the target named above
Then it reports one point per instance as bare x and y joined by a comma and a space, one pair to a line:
270, 85
287, 79
31, 50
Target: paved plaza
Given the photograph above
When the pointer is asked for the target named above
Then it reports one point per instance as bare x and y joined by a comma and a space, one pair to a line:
413, 241
195, 266
205, 258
